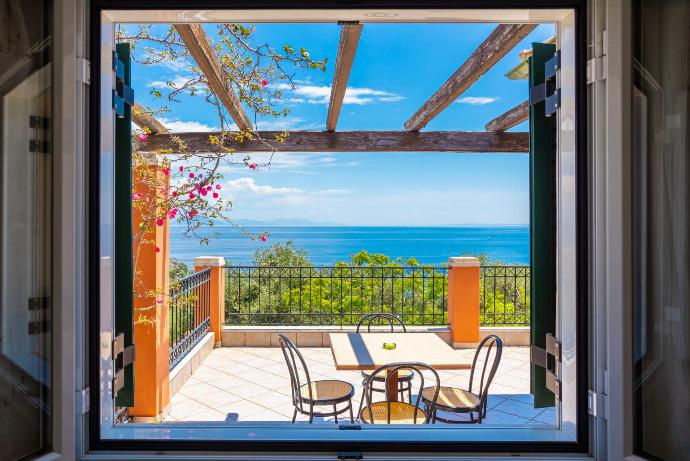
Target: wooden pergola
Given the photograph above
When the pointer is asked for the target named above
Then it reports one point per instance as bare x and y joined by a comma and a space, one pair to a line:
494, 140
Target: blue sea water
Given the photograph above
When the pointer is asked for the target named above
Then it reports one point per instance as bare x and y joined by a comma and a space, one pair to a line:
329, 244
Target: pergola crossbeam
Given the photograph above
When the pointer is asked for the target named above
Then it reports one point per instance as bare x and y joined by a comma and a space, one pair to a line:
353, 141
509, 119
197, 43
503, 39
347, 48
144, 120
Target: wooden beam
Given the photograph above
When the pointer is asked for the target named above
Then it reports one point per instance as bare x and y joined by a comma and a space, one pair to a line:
503, 39
199, 47
354, 141
347, 47
509, 119
144, 120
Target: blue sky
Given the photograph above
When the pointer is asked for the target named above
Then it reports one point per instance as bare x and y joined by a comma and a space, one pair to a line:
396, 69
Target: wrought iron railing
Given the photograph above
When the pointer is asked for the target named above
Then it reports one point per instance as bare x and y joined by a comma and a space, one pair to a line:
504, 296
334, 295
341, 295
190, 313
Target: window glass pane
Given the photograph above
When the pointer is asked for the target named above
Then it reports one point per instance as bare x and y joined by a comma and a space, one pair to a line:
661, 229
25, 228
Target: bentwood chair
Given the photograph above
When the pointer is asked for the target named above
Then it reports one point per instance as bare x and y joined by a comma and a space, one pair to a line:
405, 376
389, 412
456, 400
307, 394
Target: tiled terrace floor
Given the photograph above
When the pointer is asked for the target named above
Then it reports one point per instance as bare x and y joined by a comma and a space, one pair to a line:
252, 384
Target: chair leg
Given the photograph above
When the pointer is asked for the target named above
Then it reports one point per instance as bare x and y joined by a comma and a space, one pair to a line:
335, 414
409, 393
361, 405
352, 418
294, 416
311, 413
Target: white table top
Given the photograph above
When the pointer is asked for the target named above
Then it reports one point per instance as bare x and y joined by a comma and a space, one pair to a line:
364, 351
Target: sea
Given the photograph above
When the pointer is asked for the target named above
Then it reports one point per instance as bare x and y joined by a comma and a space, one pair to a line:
327, 245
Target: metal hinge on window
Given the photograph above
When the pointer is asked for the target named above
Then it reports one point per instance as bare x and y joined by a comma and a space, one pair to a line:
83, 401
84, 71
122, 357
596, 69
596, 404
549, 359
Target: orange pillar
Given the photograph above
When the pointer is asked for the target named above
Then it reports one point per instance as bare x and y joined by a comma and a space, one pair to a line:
463, 300
217, 291
151, 285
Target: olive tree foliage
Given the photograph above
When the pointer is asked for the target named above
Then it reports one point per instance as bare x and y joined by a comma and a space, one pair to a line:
283, 287
185, 186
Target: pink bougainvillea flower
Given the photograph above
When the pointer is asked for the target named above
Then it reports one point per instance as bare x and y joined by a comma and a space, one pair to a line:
252, 166
172, 214
217, 186
166, 171
191, 195
159, 300
143, 137
191, 175
264, 238
264, 82
181, 168
208, 188
136, 196
193, 213
158, 250
174, 194
160, 222
204, 192
215, 195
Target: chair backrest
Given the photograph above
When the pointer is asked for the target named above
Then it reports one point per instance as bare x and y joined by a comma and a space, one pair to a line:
417, 368
491, 348
382, 318
297, 367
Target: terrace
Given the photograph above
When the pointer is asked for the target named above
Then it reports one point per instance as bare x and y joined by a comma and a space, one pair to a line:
245, 377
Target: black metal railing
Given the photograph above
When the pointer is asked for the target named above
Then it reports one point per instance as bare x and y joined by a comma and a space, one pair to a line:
190, 313
334, 295
341, 295
504, 296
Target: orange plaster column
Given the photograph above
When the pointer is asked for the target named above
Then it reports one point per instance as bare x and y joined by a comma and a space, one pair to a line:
151, 287
463, 300
217, 291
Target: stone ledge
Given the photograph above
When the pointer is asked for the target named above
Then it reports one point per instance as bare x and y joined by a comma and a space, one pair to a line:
188, 365
318, 336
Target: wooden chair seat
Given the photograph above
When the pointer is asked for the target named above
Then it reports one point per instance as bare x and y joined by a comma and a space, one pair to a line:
400, 413
452, 399
327, 391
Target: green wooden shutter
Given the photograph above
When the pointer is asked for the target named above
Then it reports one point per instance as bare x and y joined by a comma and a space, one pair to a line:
542, 129
123, 98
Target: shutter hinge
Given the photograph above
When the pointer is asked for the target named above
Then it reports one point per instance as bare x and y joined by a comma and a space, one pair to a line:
122, 357
84, 71
596, 404
597, 69
83, 401
351, 455
549, 358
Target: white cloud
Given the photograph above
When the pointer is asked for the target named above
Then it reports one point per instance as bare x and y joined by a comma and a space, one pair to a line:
289, 124
181, 126
249, 184
177, 81
321, 94
476, 100
284, 195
